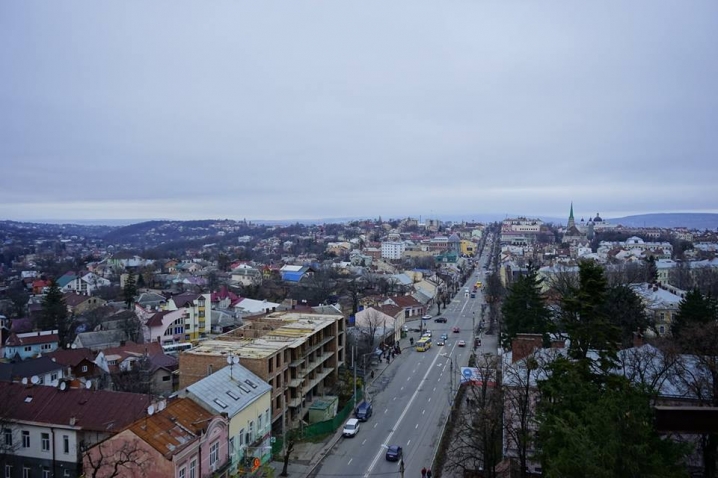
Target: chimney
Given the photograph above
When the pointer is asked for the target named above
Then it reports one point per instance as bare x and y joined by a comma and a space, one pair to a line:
637, 338
525, 344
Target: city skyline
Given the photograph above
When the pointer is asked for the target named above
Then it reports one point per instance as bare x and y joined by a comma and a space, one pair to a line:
306, 111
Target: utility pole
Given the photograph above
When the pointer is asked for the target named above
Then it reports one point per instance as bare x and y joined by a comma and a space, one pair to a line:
354, 362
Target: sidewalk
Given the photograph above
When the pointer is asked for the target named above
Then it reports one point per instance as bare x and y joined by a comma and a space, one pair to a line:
307, 455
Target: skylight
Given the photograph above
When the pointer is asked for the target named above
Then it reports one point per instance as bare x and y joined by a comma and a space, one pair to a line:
220, 403
243, 388
250, 383
232, 395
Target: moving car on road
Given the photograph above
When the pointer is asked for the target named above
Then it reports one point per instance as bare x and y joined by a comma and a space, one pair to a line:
394, 453
444, 336
461, 343
440, 320
456, 330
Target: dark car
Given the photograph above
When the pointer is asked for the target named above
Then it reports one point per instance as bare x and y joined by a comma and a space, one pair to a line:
394, 453
363, 411
440, 320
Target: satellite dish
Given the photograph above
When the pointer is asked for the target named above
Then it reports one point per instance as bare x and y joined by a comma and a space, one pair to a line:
88, 384
235, 360
229, 359
151, 410
161, 405
35, 379
24, 380
73, 346
63, 386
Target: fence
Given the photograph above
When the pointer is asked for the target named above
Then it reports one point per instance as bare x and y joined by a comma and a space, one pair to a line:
320, 429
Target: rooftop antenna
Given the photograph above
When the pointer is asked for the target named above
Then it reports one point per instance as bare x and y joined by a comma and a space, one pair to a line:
232, 360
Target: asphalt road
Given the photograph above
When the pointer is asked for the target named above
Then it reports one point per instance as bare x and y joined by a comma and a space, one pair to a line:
411, 399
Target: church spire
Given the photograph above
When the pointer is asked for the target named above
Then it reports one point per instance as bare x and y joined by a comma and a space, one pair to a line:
571, 221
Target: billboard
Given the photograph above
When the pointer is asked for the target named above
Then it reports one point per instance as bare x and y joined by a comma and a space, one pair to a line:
474, 376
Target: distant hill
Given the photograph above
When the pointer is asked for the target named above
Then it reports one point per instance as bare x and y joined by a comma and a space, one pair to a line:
675, 219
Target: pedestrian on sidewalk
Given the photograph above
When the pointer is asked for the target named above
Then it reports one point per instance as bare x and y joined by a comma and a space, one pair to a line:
428, 473
423, 472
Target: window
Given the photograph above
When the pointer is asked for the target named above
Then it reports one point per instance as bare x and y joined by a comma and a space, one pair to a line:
259, 423
25, 472
193, 468
84, 368
7, 432
28, 349
214, 454
26, 439
241, 437
53, 377
66, 444
45, 472
166, 378
251, 431
45, 438
182, 472
8, 471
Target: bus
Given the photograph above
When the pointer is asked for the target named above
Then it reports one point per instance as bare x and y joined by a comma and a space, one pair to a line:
478, 284
423, 344
175, 349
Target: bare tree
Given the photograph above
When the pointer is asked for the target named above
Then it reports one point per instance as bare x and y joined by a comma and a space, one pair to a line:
520, 393
107, 460
476, 442
371, 320
680, 276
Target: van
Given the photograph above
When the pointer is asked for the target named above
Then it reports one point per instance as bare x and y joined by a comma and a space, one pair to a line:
351, 428
363, 411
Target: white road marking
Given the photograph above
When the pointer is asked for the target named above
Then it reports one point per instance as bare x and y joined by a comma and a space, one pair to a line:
363, 441
394, 398
398, 422
402, 388
407, 443
417, 426
423, 411
386, 411
429, 399
350, 461
435, 389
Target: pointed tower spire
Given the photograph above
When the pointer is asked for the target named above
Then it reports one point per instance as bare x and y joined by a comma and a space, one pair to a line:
571, 221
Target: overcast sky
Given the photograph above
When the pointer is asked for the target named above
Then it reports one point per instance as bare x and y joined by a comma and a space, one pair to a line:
296, 109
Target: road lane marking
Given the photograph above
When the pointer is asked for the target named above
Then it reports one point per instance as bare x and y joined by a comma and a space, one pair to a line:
386, 411
423, 411
363, 441
350, 461
407, 443
417, 426
428, 400
394, 398
398, 422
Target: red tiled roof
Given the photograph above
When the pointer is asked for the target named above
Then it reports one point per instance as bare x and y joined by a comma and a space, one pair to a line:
156, 319
390, 310
406, 301
71, 357
14, 340
97, 410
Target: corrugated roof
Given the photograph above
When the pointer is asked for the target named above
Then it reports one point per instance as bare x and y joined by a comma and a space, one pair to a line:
171, 429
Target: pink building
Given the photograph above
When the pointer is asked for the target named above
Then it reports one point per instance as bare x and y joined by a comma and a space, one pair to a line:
181, 440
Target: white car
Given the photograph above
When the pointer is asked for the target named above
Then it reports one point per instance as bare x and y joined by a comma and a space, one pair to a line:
351, 428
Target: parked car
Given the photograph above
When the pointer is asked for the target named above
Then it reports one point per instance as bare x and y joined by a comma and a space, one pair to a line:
440, 320
394, 453
363, 411
461, 343
351, 428
426, 317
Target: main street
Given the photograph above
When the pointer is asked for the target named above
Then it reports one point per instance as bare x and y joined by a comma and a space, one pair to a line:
412, 398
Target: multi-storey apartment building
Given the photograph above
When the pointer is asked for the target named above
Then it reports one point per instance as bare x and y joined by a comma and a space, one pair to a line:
298, 354
393, 250
196, 318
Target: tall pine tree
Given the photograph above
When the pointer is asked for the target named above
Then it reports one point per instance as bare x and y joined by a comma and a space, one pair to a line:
130, 290
54, 315
524, 309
